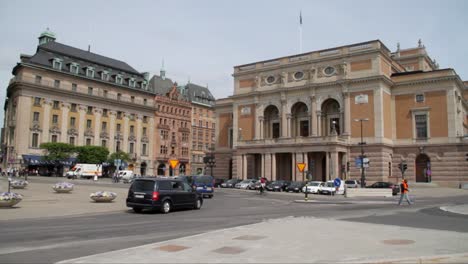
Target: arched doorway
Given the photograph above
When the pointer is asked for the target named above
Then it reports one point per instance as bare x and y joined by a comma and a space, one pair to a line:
300, 120
143, 166
271, 127
161, 169
331, 121
182, 169
423, 165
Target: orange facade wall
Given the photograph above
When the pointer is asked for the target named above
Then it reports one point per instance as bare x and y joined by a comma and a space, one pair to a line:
362, 111
387, 115
246, 122
246, 83
225, 122
436, 102
361, 65
408, 52
385, 67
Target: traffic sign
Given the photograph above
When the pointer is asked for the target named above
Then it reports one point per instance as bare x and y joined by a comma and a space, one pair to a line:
366, 162
300, 166
173, 163
337, 182
357, 161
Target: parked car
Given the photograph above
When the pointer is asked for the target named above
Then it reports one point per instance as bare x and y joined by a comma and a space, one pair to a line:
203, 184
328, 188
162, 194
218, 182
352, 184
379, 185
295, 186
278, 186
230, 183
252, 184
257, 185
244, 184
313, 187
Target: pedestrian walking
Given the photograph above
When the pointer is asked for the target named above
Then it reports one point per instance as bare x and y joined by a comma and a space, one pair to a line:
404, 192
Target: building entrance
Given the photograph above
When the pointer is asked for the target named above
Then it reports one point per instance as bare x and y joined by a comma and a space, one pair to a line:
423, 168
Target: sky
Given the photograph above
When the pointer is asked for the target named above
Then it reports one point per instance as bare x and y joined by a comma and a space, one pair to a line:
202, 40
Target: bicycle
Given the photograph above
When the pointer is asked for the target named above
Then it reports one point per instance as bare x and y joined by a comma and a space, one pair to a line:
261, 190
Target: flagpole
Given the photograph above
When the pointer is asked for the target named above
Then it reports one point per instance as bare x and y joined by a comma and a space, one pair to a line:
300, 32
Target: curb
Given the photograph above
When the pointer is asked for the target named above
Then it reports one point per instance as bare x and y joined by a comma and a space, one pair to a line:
451, 258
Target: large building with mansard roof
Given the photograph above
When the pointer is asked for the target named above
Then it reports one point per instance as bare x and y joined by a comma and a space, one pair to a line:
65, 94
317, 107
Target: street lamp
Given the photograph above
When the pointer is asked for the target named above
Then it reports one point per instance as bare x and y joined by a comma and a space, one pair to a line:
362, 143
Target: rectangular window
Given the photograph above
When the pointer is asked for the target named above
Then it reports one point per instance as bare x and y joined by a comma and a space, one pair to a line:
71, 141
74, 87
144, 131
145, 102
119, 96
57, 83
131, 148
54, 119
105, 76
200, 123
90, 72
304, 128
37, 101
119, 115
420, 98
104, 112
56, 104
35, 140
88, 142
132, 99
143, 149
118, 127
88, 123
132, 129
104, 143
72, 121
38, 79
421, 126
89, 110
54, 138
276, 130
90, 90
73, 107
74, 68
36, 117
105, 93
117, 146
172, 150
145, 119
104, 126
57, 64
131, 82
118, 79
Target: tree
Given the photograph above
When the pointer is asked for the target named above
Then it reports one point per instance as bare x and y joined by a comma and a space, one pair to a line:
92, 154
124, 156
57, 151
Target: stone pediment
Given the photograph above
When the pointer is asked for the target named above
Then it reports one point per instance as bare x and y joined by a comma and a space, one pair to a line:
118, 136
104, 135
72, 132
89, 133
55, 130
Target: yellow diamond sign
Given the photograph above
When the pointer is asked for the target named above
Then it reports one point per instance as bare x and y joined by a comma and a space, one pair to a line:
174, 163
300, 166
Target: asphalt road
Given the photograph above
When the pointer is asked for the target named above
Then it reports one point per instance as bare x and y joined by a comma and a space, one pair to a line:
55, 239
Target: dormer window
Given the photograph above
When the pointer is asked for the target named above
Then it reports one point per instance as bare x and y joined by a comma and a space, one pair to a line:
57, 64
144, 85
118, 79
90, 72
131, 82
105, 75
74, 67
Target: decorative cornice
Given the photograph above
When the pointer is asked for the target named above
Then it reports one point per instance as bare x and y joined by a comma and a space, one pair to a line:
72, 132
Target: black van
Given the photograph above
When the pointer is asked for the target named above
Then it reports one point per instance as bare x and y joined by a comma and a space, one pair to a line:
162, 194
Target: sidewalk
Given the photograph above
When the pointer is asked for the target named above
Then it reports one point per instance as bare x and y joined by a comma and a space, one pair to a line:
300, 240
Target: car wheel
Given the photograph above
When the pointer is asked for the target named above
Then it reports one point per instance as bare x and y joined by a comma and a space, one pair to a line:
166, 207
211, 196
137, 209
198, 204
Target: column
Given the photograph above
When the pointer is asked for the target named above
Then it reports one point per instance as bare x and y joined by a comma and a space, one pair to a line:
244, 166
46, 120
260, 125
347, 114
267, 166
334, 166
139, 131
273, 166
345, 160
284, 120
319, 123
64, 123
257, 125
97, 126
313, 116
294, 167
81, 124
263, 166
151, 146
126, 129
239, 169
289, 125
112, 116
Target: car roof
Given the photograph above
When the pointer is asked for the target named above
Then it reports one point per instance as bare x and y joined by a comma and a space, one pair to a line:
156, 179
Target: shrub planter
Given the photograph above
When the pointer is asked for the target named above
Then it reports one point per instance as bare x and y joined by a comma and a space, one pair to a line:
9, 199
18, 184
63, 187
103, 196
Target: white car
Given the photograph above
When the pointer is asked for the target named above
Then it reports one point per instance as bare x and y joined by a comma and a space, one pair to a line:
330, 188
244, 184
313, 187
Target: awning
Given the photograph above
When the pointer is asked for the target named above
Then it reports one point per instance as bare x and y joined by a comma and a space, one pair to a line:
39, 160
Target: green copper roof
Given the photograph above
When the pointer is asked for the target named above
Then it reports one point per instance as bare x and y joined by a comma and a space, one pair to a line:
47, 33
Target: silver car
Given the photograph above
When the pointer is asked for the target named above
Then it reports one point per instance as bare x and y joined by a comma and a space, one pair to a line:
352, 184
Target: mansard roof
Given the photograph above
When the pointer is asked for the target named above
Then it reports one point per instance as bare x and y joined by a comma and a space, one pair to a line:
198, 94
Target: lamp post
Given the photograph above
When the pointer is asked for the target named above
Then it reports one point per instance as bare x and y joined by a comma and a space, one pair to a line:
362, 143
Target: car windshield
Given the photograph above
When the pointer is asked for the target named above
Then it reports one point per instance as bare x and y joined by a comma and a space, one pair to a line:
245, 181
295, 184
143, 186
349, 182
203, 179
314, 184
330, 184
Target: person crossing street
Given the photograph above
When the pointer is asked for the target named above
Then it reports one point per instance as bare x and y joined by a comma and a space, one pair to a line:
404, 192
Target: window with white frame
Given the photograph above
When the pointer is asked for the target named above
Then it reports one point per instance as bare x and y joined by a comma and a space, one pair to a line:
131, 82
144, 85
88, 142
105, 75
74, 68
71, 141
35, 140
90, 72
54, 138
118, 79
143, 149
57, 64
421, 126
419, 98
36, 117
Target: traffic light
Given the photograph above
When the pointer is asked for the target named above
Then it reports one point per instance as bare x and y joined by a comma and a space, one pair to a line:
400, 166
405, 166
347, 165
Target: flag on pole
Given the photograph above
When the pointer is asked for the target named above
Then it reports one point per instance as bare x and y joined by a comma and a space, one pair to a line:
300, 17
